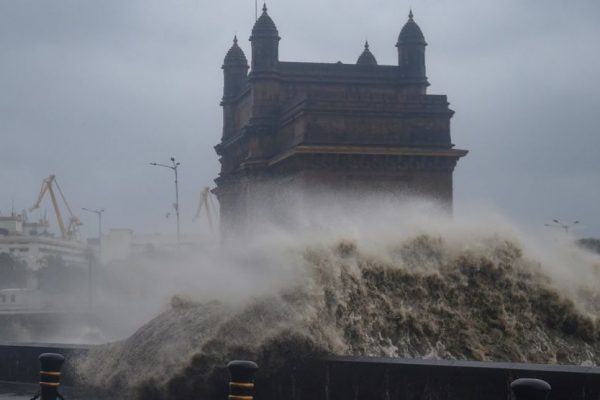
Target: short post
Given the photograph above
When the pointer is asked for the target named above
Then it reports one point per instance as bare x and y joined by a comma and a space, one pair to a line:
530, 389
50, 365
241, 384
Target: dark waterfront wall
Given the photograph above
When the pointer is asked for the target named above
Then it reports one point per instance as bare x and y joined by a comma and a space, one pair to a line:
347, 378
19, 362
353, 378
37, 325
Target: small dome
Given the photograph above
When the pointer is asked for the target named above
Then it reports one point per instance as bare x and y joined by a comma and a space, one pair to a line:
235, 55
411, 32
264, 25
366, 58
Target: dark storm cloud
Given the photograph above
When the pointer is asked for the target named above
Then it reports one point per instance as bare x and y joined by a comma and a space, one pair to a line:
93, 91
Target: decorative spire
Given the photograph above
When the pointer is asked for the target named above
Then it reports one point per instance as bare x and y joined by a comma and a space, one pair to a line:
234, 39
264, 7
366, 45
410, 14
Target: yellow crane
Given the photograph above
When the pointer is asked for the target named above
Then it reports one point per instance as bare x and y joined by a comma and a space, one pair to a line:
67, 231
206, 202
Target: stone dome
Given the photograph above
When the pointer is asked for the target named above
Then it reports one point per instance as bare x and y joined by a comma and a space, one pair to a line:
235, 56
264, 25
366, 58
411, 32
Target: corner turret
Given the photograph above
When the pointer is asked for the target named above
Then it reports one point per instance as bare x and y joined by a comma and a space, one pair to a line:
411, 50
265, 43
235, 71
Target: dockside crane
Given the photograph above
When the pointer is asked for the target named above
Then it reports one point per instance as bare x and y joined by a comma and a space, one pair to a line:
67, 231
206, 203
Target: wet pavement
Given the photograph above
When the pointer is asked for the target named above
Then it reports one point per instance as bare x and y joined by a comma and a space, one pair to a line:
23, 394
17, 391
14, 396
25, 391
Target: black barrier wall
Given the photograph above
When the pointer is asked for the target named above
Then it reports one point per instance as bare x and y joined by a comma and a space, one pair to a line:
357, 378
353, 378
19, 362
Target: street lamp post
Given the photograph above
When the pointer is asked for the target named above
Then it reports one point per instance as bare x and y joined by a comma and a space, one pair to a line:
99, 213
176, 205
558, 224
90, 261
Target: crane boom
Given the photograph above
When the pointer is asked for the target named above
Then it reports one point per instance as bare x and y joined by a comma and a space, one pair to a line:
61, 223
205, 202
208, 212
43, 191
47, 187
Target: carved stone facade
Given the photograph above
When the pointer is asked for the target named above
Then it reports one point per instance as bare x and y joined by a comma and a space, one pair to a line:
293, 127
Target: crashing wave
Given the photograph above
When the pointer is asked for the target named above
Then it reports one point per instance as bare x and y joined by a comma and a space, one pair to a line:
423, 297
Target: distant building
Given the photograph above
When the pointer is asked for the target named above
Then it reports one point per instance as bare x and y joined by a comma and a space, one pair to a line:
124, 244
350, 128
31, 243
20, 299
11, 225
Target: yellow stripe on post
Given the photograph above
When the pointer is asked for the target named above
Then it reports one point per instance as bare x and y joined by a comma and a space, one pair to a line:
50, 373
242, 385
50, 384
235, 397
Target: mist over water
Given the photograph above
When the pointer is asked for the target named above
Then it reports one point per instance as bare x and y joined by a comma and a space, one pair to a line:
368, 277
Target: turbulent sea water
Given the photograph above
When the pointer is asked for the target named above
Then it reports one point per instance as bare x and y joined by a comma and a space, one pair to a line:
421, 296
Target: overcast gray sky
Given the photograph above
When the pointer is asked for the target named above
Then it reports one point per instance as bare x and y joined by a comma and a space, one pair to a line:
93, 91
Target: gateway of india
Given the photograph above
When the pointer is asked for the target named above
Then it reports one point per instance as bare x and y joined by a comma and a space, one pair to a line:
291, 128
